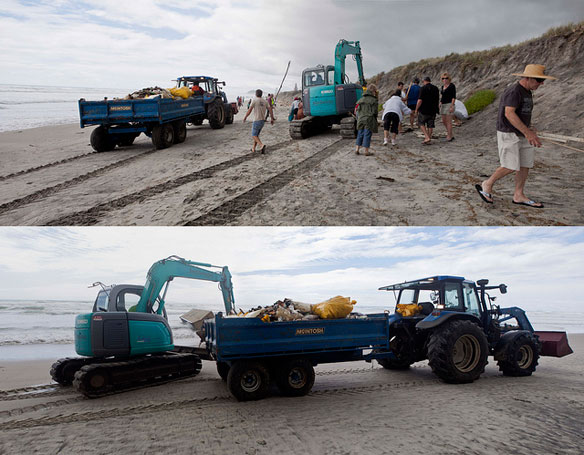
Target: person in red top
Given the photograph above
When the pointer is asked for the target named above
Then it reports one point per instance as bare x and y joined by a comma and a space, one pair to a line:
196, 89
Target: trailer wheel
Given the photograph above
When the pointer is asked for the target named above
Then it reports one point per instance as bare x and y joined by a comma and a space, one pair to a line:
248, 380
519, 355
228, 114
127, 139
457, 351
162, 136
295, 378
101, 140
216, 114
180, 131
223, 370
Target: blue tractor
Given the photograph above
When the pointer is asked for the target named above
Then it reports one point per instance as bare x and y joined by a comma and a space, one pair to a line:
329, 97
218, 110
126, 340
454, 323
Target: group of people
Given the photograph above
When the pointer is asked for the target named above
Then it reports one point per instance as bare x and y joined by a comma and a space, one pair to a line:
240, 100
516, 138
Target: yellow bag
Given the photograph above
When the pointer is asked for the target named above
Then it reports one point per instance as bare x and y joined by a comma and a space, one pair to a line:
408, 309
183, 92
336, 308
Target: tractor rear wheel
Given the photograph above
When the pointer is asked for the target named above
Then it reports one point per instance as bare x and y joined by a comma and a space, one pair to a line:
162, 136
518, 356
295, 378
457, 351
216, 114
248, 380
101, 140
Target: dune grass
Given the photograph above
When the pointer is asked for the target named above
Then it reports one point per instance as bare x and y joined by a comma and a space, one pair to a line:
479, 100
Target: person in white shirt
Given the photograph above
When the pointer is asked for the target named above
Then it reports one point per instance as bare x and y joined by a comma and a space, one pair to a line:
394, 110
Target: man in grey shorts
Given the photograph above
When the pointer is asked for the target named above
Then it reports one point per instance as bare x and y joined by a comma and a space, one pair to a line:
515, 137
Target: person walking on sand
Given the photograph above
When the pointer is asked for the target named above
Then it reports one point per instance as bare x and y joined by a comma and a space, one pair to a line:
394, 110
516, 139
447, 100
427, 108
412, 95
259, 106
367, 109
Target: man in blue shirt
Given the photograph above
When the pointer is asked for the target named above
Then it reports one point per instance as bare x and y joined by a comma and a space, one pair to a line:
413, 95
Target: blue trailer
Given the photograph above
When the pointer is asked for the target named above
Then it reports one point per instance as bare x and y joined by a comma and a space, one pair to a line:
447, 320
164, 120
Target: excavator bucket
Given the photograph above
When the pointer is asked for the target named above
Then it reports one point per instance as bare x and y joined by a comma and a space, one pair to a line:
554, 344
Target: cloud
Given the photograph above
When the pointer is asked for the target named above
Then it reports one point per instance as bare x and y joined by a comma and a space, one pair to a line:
541, 266
133, 44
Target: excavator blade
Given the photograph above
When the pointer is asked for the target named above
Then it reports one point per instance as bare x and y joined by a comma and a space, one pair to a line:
554, 344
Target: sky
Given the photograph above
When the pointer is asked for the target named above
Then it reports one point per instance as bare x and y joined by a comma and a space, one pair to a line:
133, 44
543, 267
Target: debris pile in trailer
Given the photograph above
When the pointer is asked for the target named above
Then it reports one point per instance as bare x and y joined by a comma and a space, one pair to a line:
289, 310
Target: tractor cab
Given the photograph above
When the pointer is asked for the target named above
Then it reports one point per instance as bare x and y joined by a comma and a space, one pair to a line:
433, 295
210, 86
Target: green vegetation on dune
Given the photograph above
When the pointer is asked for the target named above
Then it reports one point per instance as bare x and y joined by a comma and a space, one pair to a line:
479, 100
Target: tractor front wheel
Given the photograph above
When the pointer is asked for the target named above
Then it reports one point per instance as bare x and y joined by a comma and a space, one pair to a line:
518, 356
457, 351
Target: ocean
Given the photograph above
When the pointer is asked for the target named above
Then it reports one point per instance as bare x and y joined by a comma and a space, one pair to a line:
43, 329
31, 106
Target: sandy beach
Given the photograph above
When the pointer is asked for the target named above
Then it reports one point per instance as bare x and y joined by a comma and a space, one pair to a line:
50, 176
354, 408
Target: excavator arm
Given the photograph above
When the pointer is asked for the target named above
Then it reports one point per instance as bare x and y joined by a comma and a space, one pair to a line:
343, 49
164, 271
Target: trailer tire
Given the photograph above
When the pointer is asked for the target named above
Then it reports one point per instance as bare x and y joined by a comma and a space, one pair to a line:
101, 140
216, 114
223, 370
162, 136
127, 139
457, 351
228, 114
295, 378
248, 380
518, 355
180, 131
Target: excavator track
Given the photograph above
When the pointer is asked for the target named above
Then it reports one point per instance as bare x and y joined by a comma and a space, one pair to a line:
103, 378
348, 128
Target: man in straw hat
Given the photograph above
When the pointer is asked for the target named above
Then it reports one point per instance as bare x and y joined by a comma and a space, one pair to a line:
515, 137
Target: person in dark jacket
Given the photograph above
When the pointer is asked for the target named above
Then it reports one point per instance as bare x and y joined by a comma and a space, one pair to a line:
427, 108
367, 109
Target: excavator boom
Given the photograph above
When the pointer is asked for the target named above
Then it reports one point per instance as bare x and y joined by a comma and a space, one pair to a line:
165, 270
343, 49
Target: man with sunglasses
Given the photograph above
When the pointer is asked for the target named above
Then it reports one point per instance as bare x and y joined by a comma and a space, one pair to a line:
515, 137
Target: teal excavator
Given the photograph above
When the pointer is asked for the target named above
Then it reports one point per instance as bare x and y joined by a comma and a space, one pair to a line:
328, 97
126, 341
